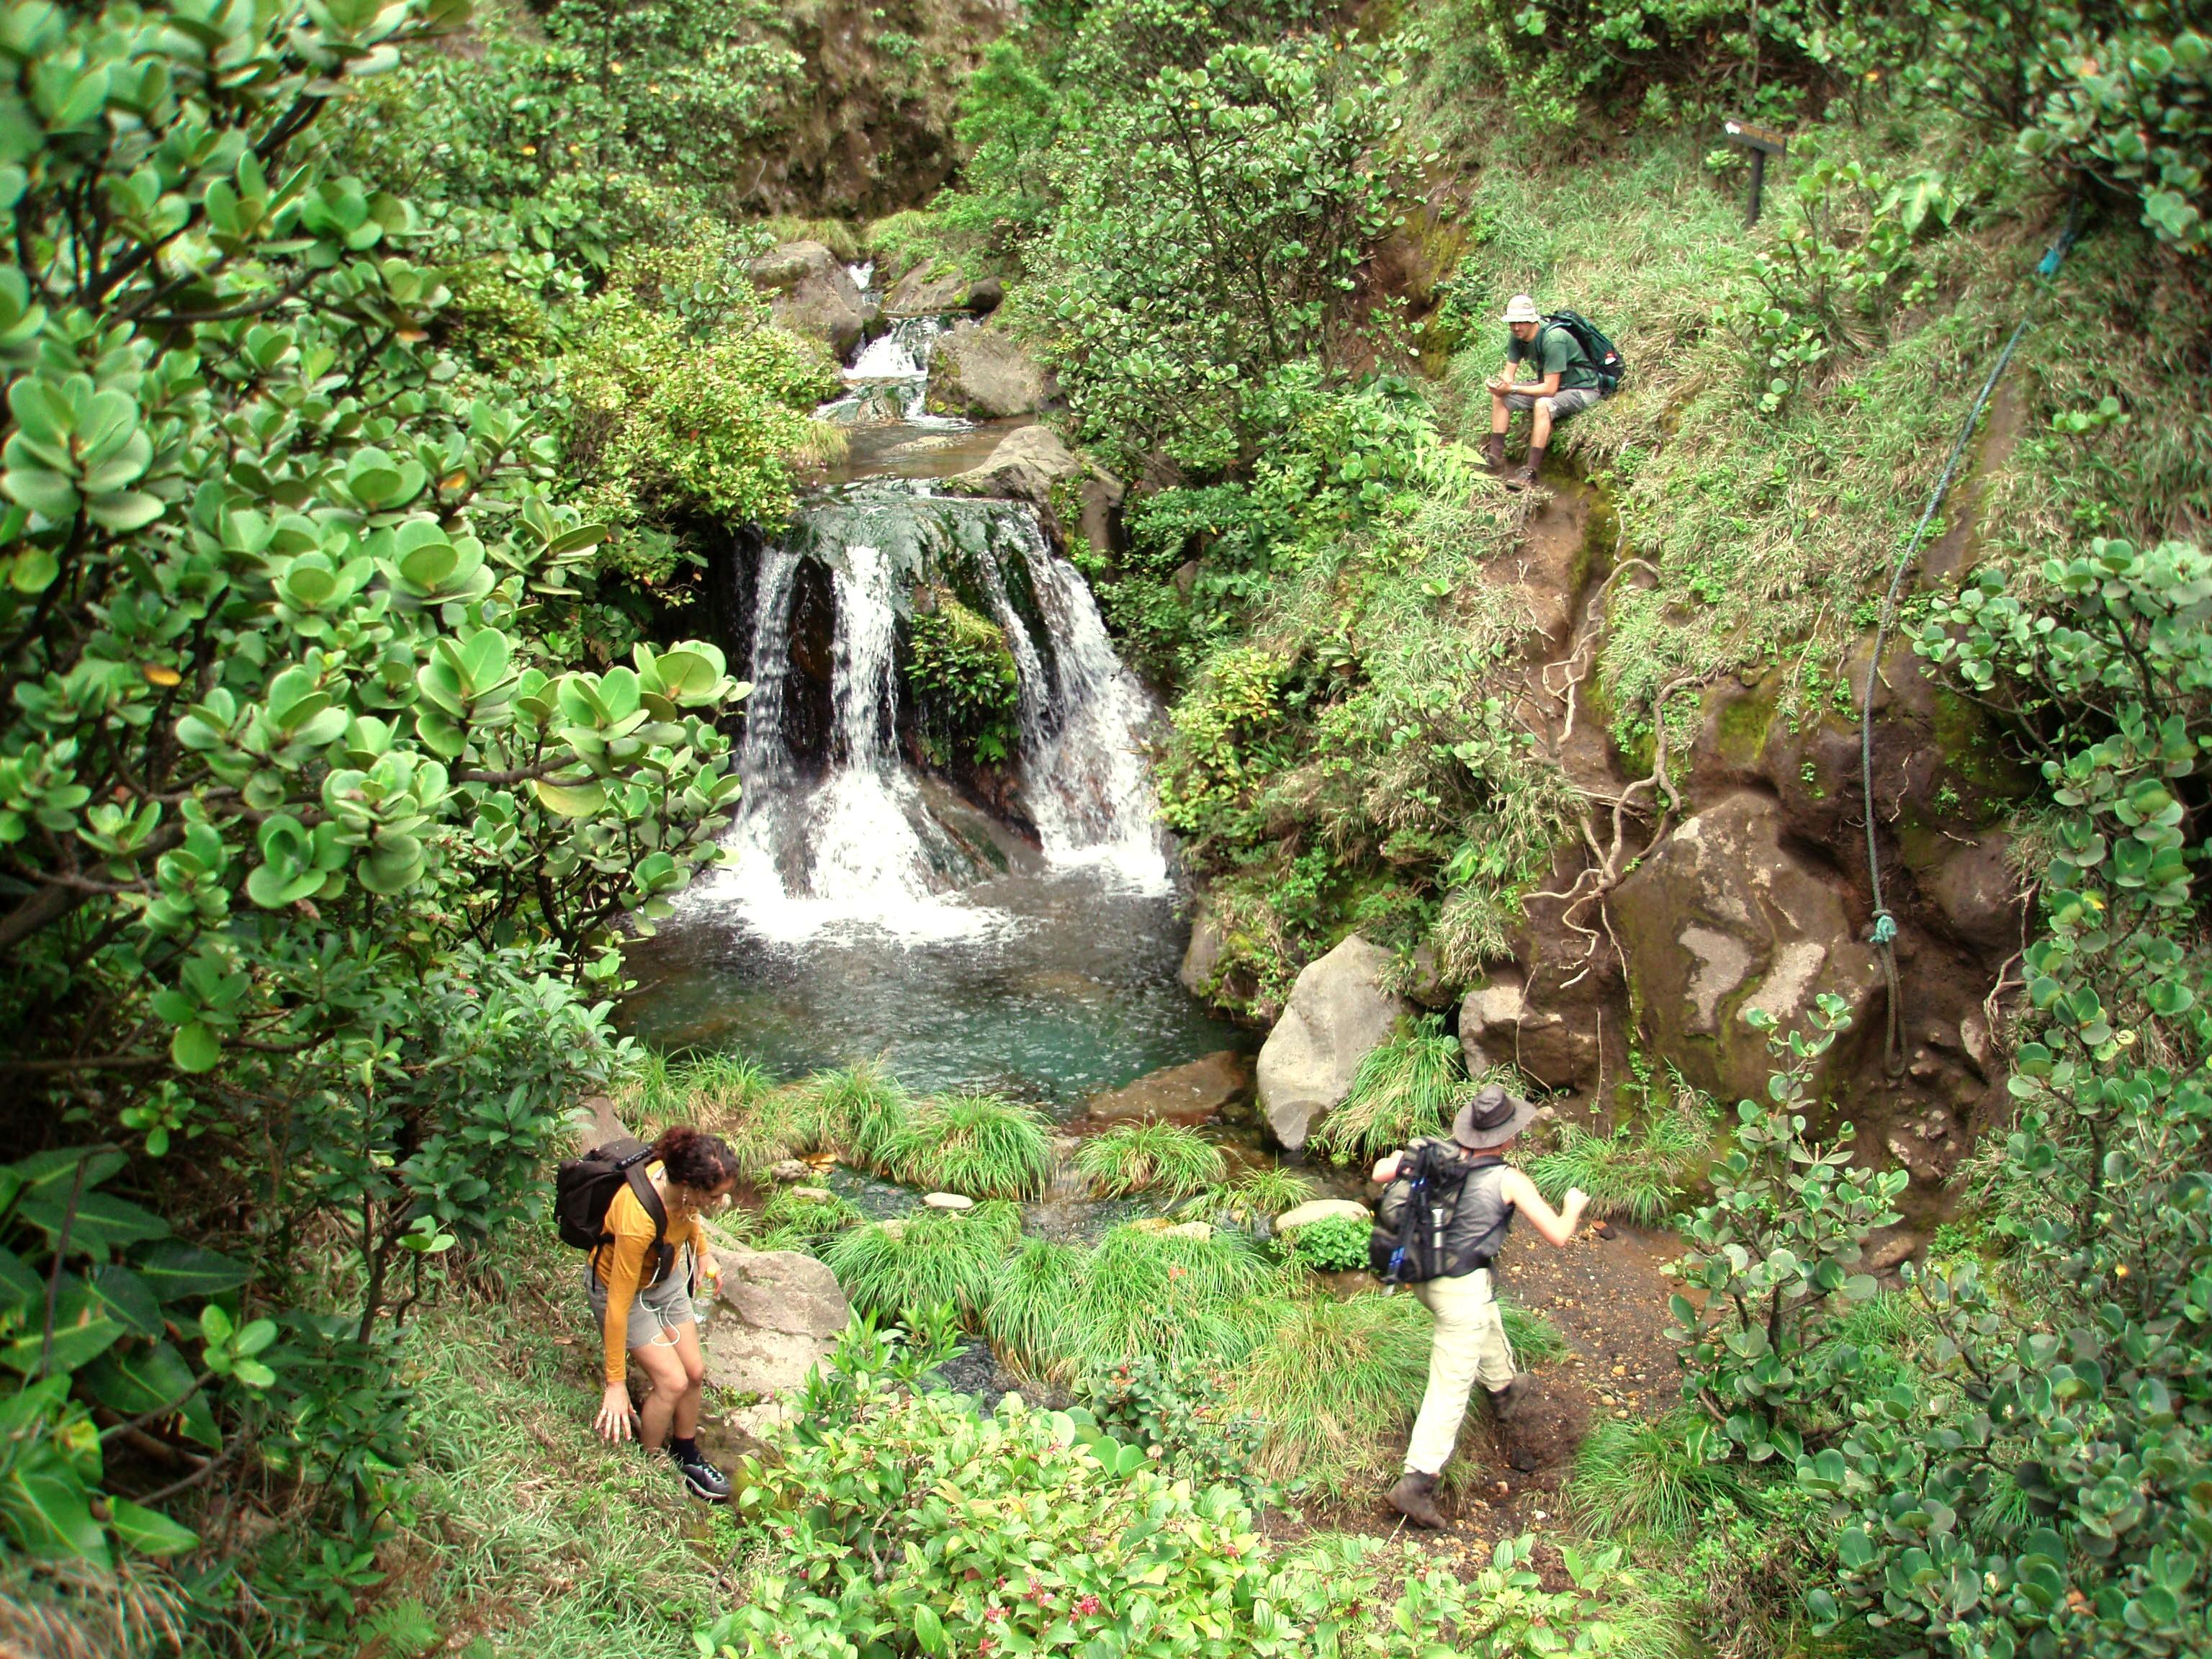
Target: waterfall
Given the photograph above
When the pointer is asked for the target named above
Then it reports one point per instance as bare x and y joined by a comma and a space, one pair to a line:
836, 830
890, 377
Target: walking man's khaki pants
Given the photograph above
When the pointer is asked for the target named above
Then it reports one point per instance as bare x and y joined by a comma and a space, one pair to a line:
1469, 1343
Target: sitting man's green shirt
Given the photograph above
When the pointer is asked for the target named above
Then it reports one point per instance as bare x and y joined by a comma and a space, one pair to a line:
1557, 351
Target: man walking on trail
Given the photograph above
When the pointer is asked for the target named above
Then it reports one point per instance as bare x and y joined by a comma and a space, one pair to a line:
1470, 1337
1565, 382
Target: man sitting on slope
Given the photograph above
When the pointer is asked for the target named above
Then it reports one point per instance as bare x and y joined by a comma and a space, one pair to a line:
1566, 382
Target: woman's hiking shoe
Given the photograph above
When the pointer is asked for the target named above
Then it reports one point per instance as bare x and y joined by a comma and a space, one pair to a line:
1414, 1497
705, 1481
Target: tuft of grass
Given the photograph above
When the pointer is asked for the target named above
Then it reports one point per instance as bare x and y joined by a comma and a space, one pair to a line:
791, 1222
1137, 1157
1027, 1321
1334, 1380
1258, 1196
855, 1110
714, 1089
1404, 1088
978, 1144
1061, 1311
926, 1258
1653, 1478
1639, 1170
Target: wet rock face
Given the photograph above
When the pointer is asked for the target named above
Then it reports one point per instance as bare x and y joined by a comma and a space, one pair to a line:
1201, 959
1189, 1094
812, 294
1337, 1011
981, 371
779, 1313
1724, 918
810, 715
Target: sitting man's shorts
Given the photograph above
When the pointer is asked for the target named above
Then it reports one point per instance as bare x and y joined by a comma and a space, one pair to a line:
655, 1311
1567, 400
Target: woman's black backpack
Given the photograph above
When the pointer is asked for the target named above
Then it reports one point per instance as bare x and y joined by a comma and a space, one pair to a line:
583, 1188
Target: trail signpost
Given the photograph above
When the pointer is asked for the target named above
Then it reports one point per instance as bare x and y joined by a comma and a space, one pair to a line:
1761, 141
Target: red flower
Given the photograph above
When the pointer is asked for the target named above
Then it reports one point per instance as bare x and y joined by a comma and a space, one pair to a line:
1086, 1607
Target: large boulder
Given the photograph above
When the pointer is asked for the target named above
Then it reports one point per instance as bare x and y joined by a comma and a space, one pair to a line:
812, 294
1499, 1025
930, 289
595, 1123
1724, 918
1028, 463
1337, 1013
778, 1315
1186, 1094
984, 373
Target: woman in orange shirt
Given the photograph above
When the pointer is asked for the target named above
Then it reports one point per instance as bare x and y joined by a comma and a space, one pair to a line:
644, 1307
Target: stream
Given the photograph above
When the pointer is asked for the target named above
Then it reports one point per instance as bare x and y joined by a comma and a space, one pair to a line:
870, 910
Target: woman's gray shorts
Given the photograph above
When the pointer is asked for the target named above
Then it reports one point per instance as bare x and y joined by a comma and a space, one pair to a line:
655, 1311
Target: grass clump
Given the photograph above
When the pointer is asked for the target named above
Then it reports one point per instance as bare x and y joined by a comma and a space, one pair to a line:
1639, 1170
1653, 1478
1138, 1158
1535, 1340
1404, 1088
1059, 1312
1027, 1321
979, 1144
921, 1260
805, 1218
857, 1111
1258, 1196
1334, 1380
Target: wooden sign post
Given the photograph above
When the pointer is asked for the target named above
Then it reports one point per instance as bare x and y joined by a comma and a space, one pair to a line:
1762, 143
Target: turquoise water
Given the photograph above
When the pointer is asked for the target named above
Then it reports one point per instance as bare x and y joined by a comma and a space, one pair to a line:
1070, 990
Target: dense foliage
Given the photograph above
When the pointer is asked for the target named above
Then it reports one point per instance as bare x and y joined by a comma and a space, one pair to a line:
1032, 1531
313, 846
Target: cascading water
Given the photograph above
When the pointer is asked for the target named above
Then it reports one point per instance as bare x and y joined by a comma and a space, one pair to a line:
836, 830
870, 908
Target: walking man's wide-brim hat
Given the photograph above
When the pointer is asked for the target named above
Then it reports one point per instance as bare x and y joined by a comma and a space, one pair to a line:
1491, 1116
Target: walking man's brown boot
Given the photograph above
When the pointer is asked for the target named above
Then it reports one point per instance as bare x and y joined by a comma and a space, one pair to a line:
1522, 480
1413, 1497
1493, 452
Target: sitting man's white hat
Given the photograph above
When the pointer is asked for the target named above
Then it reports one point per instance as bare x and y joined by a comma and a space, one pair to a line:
1522, 309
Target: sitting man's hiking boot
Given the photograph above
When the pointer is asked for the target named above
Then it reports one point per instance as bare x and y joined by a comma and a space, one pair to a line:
1523, 479
704, 1479
1494, 453
1413, 1497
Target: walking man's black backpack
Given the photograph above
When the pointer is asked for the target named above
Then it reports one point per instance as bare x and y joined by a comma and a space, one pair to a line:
1604, 356
584, 1187
1414, 1218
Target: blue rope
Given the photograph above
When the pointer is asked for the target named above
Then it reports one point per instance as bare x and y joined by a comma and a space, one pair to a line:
1884, 924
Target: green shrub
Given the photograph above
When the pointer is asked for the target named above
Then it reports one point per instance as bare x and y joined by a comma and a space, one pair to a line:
921, 1260
1335, 1245
1138, 1158
908, 1523
977, 1145
1181, 1409
1404, 1088
1655, 1478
